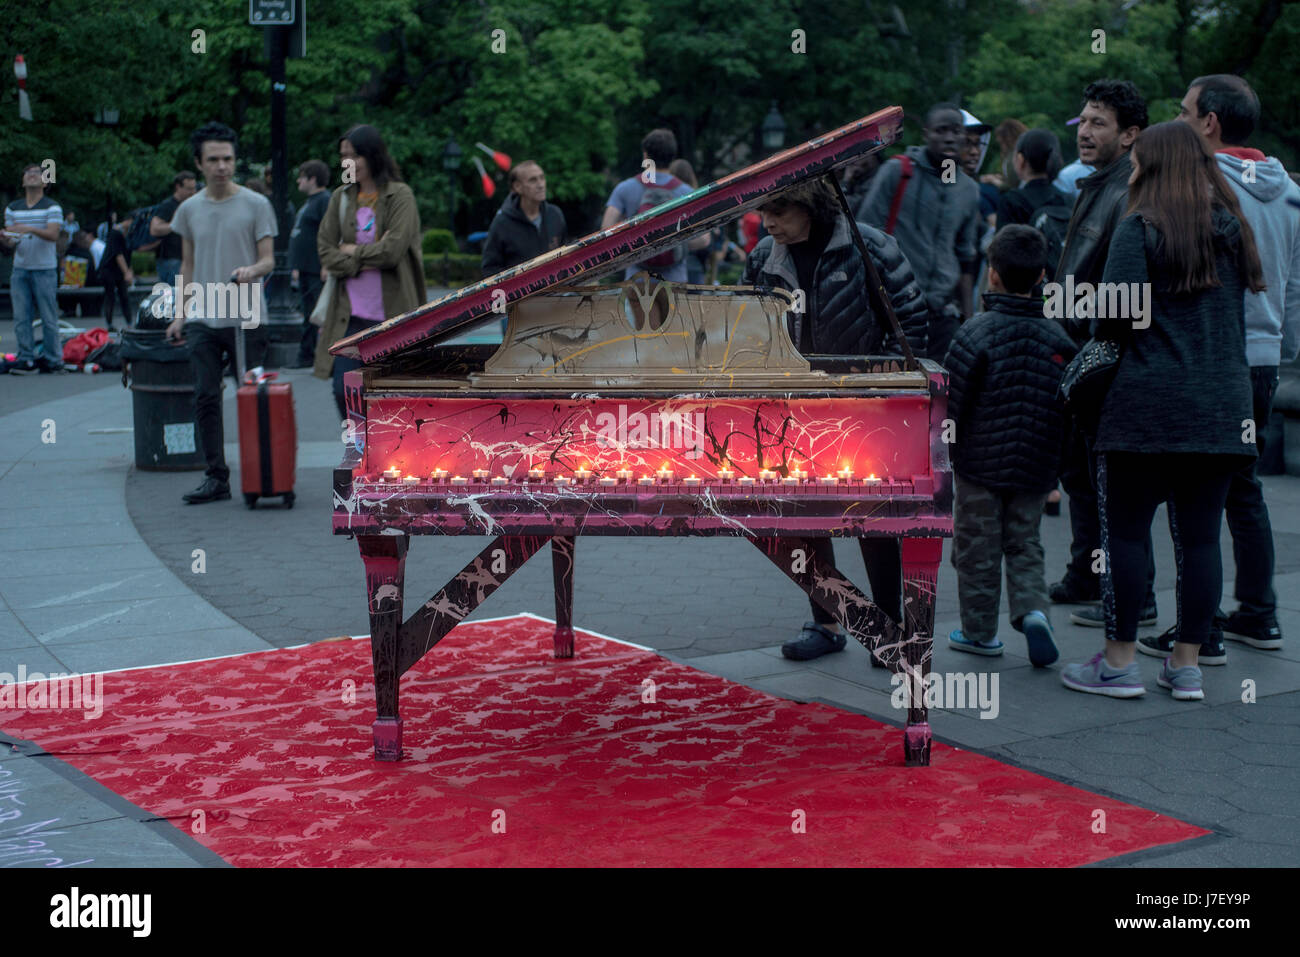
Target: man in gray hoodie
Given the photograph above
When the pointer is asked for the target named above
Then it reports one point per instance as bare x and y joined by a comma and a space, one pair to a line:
925, 201
1224, 110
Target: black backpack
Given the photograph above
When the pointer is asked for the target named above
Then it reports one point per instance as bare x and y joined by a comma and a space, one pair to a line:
139, 239
1052, 219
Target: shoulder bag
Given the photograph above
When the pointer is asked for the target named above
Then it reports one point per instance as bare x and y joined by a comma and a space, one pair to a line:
326, 296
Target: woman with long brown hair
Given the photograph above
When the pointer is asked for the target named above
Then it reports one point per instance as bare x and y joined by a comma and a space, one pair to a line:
369, 240
1175, 423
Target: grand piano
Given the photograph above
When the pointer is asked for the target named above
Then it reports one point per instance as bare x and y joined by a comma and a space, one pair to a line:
642, 408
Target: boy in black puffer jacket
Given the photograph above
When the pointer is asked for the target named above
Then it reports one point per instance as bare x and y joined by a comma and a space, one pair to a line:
1004, 367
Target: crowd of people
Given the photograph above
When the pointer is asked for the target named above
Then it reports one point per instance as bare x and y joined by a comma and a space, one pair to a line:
1186, 213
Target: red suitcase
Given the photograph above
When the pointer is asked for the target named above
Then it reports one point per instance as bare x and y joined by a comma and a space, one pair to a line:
268, 441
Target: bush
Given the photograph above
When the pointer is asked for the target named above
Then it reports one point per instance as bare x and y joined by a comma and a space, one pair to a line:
438, 241
452, 268
144, 264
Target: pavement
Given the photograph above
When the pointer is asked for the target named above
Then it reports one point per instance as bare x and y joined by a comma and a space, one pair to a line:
126, 576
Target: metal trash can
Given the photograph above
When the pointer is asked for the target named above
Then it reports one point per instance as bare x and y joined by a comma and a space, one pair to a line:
162, 393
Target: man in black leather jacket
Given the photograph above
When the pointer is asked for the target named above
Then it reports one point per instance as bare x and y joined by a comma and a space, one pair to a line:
1114, 112
809, 248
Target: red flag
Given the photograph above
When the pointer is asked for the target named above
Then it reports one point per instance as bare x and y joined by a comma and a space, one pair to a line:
501, 159
489, 187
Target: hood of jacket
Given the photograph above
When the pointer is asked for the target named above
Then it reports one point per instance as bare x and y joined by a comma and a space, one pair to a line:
1265, 179
513, 210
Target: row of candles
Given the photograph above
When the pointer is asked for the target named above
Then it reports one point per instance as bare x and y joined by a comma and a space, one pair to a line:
624, 476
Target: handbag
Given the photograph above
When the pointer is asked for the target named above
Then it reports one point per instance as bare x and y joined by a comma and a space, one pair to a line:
322, 309
1087, 379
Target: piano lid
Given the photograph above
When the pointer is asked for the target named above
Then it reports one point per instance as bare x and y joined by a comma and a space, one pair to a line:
631, 241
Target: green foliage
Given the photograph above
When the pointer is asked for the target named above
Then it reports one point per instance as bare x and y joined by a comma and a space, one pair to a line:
144, 264
449, 268
438, 241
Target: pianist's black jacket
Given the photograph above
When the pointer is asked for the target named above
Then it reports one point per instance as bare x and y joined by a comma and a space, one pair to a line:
842, 320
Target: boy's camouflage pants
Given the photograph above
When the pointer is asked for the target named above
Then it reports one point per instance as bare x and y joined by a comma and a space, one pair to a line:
988, 525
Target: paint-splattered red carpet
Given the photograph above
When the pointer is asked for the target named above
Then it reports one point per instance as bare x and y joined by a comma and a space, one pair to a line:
616, 757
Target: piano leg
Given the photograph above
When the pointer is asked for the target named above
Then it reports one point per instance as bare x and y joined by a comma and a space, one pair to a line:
385, 560
562, 548
921, 558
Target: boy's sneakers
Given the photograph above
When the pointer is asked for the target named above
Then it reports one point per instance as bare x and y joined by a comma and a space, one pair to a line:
1252, 631
1096, 677
1162, 645
1038, 635
991, 648
1066, 592
1096, 617
1183, 683
24, 368
813, 642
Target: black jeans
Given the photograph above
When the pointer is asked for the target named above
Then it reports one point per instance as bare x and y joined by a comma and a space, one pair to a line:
116, 289
1078, 478
209, 350
884, 560
310, 293
342, 364
1131, 485
1252, 533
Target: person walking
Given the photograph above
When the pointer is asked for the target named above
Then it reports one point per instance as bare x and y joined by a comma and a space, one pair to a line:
227, 245
115, 274
184, 185
369, 240
809, 247
304, 261
526, 225
643, 192
1171, 424
31, 233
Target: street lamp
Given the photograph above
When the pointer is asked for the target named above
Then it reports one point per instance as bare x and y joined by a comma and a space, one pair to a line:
108, 117
773, 130
451, 157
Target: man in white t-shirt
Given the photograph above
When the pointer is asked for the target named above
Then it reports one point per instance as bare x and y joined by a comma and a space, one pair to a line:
227, 245
32, 225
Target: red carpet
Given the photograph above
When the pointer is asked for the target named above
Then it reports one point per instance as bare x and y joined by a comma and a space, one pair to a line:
566, 757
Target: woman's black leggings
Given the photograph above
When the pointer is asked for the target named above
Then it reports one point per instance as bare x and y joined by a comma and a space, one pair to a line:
1130, 486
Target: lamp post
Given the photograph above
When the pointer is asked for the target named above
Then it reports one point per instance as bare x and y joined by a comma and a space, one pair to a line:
109, 118
773, 130
451, 157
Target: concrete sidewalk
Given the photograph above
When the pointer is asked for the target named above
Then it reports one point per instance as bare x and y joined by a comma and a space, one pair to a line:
111, 582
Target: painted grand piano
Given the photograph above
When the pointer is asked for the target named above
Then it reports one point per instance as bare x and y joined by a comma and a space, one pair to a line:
641, 408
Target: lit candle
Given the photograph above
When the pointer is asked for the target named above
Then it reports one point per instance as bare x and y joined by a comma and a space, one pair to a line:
480, 475
624, 475
411, 480
582, 475
846, 473
459, 480
871, 478
393, 474
536, 474
500, 480
665, 474
645, 480
561, 480
606, 480
799, 474
691, 480
790, 480
440, 475
747, 480
767, 475
828, 479
726, 474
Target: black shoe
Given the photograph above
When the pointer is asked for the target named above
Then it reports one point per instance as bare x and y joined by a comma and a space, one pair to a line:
212, 490
1253, 631
1065, 592
47, 367
1162, 646
24, 368
813, 642
1096, 617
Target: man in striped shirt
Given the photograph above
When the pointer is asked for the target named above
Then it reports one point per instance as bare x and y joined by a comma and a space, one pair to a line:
32, 226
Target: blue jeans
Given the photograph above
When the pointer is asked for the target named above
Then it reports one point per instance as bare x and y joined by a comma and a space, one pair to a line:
167, 270
36, 289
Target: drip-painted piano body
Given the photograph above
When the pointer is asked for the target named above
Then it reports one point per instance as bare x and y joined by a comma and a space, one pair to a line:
640, 409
